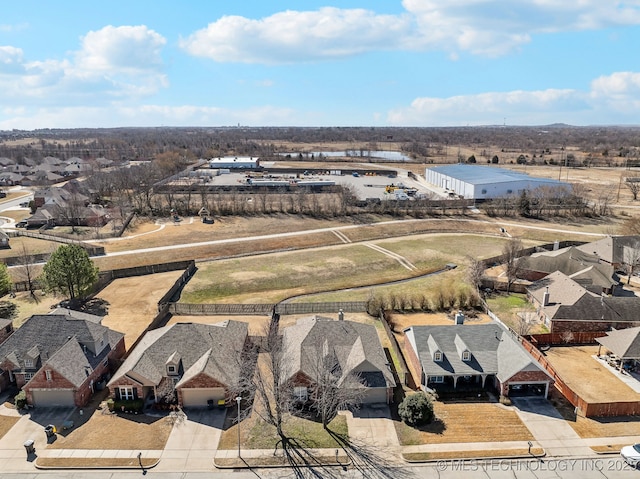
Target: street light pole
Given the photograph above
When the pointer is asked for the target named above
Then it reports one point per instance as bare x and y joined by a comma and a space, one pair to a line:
238, 399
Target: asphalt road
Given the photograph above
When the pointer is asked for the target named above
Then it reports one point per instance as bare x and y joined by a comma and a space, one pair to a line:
600, 467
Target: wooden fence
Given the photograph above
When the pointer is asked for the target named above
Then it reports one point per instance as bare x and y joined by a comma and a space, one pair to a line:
92, 250
186, 309
403, 373
551, 339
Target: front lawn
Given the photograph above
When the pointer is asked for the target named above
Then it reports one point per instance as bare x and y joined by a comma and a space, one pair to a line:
466, 421
256, 434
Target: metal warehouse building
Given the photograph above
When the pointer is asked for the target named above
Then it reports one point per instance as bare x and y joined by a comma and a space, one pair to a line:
483, 182
234, 162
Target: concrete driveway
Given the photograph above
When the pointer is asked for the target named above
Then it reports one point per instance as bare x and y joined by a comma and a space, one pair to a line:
372, 426
549, 428
193, 442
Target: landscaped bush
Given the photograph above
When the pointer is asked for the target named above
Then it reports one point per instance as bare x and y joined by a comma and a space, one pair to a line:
416, 409
129, 405
20, 400
110, 404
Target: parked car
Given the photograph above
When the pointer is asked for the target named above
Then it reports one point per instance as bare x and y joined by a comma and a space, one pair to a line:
21, 224
631, 455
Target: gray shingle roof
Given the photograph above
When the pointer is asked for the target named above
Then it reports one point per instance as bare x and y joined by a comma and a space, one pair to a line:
563, 291
624, 343
611, 248
355, 346
214, 349
574, 263
493, 351
59, 341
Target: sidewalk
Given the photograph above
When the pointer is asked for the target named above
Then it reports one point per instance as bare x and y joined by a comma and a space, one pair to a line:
192, 444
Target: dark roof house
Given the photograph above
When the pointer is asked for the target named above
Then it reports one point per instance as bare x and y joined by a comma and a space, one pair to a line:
478, 356
57, 359
354, 349
190, 363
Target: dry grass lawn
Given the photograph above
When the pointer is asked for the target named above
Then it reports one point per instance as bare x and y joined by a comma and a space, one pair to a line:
95, 462
28, 306
110, 431
6, 423
133, 302
486, 453
574, 364
466, 422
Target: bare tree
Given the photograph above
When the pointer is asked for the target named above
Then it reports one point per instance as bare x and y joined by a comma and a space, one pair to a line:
27, 270
332, 389
633, 185
475, 272
274, 395
511, 253
631, 258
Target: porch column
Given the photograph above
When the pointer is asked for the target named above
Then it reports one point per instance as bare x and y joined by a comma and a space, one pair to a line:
455, 381
599, 349
484, 379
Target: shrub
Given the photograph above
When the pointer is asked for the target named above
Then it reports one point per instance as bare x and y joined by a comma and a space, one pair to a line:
416, 409
505, 400
129, 405
20, 400
110, 404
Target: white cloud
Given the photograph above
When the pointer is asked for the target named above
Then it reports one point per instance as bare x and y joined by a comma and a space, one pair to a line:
125, 49
113, 63
294, 36
8, 28
612, 99
482, 27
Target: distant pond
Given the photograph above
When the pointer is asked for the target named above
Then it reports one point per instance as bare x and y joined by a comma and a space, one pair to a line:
378, 154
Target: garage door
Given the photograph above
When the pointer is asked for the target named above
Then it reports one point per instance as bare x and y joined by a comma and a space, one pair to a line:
198, 397
52, 397
527, 389
375, 395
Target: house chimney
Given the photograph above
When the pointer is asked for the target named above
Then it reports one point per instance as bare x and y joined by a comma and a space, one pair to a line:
459, 319
545, 298
340, 315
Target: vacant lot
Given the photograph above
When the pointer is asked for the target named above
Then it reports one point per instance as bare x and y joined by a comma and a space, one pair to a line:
466, 422
587, 376
133, 302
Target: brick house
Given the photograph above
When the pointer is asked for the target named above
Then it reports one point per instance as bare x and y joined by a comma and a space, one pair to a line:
563, 305
354, 352
59, 359
473, 357
585, 269
188, 363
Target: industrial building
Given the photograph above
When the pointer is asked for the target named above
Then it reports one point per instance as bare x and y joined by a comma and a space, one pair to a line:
230, 162
484, 182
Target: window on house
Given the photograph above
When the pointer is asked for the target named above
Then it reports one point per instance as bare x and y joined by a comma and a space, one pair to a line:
509, 192
171, 369
437, 379
8, 329
28, 363
28, 376
437, 356
126, 392
105, 362
300, 393
484, 192
466, 356
47, 373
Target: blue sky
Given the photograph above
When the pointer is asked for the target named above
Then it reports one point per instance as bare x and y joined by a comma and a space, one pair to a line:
425, 63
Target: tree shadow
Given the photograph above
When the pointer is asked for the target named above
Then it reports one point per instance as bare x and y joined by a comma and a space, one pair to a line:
305, 463
96, 306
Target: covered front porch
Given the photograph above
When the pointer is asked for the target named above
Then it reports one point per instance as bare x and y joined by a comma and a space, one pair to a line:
460, 382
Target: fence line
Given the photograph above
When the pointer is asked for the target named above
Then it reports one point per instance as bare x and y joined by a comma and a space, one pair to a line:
404, 375
186, 309
91, 249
